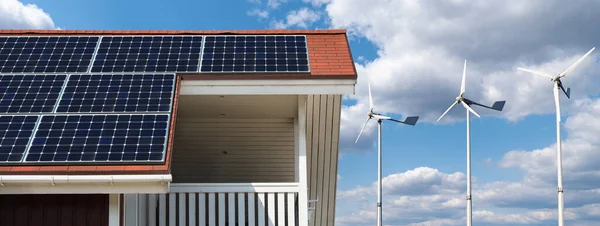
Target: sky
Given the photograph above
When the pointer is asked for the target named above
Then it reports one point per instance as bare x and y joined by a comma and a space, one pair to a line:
412, 53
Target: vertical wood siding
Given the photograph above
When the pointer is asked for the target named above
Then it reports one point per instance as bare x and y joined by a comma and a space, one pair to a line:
54, 210
322, 134
233, 150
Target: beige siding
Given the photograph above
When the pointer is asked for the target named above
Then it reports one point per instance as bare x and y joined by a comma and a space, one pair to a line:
233, 150
322, 133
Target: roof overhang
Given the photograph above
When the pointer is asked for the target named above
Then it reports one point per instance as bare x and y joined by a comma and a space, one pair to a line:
268, 87
84, 184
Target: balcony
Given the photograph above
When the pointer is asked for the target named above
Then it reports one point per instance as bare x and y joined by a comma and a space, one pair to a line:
218, 204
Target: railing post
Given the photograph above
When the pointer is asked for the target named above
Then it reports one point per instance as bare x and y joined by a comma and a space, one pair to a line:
301, 162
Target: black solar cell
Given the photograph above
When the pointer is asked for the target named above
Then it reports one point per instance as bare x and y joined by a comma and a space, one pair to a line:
29, 93
255, 54
46, 54
148, 54
100, 138
15, 132
118, 93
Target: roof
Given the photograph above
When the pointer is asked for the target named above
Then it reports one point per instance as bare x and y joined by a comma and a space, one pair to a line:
329, 58
328, 50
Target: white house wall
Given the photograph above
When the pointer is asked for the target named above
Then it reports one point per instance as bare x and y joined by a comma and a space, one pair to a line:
322, 134
230, 150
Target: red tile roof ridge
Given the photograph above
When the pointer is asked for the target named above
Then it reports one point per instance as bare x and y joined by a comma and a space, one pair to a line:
172, 32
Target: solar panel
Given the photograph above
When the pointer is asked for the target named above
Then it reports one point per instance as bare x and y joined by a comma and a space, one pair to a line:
15, 132
29, 93
148, 54
46, 54
118, 93
255, 54
100, 138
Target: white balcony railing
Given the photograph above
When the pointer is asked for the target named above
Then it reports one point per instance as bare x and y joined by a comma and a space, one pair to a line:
222, 204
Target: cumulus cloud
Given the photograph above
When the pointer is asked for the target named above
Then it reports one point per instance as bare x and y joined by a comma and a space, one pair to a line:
316, 3
580, 152
275, 3
427, 196
262, 14
422, 46
16, 15
301, 18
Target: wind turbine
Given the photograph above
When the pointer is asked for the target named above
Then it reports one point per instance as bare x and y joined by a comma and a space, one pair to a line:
372, 115
558, 85
466, 103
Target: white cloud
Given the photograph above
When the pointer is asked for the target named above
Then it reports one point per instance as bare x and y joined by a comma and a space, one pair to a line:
261, 14
302, 18
580, 152
317, 3
422, 46
426, 196
275, 3
15, 15
421, 180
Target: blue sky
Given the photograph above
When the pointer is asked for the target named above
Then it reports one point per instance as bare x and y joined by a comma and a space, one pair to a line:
412, 52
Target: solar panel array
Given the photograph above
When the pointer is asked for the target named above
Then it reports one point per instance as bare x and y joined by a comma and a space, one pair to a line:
46, 54
117, 93
255, 54
29, 93
100, 138
15, 131
108, 99
148, 54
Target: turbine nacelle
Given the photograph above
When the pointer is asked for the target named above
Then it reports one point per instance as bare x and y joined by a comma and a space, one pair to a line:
372, 115
466, 103
556, 78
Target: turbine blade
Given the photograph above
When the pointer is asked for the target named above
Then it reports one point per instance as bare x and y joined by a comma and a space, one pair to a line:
370, 97
447, 110
382, 117
462, 85
361, 130
543, 74
575, 64
470, 109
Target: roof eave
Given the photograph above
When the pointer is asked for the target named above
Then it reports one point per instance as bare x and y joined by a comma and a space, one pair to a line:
84, 184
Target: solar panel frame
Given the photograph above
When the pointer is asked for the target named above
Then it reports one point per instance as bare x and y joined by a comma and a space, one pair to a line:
201, 55
308, 70
165, 144
92, 70
89, 70
3, 62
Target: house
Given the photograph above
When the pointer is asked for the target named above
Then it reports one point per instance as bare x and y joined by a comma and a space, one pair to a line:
171, 127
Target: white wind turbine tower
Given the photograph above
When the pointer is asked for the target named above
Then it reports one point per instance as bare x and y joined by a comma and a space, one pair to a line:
558, 85
372, 115
498, 105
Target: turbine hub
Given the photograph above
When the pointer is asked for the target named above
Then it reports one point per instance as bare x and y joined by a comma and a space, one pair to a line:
459, 98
